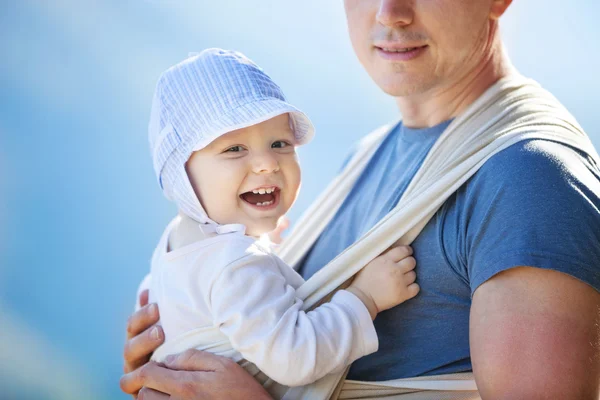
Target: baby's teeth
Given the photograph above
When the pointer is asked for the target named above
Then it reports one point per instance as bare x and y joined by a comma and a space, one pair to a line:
263, 190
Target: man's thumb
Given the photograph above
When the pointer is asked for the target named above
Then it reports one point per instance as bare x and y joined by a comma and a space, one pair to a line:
193, 360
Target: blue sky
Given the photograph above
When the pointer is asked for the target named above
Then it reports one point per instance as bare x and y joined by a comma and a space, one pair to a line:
80, 211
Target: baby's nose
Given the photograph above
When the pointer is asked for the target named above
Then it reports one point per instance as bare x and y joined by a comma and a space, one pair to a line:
265, 163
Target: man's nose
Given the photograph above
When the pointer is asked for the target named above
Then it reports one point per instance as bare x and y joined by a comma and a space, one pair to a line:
394, 13
264, 162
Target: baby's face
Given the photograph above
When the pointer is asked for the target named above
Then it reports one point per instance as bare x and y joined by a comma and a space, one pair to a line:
249, 176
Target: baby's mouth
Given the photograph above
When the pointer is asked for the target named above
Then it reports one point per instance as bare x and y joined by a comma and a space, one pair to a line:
263, 197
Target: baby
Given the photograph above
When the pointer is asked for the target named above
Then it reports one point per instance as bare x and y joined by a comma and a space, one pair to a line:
223, 141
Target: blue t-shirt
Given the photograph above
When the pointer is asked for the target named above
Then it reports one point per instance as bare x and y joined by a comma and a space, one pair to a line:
536, 203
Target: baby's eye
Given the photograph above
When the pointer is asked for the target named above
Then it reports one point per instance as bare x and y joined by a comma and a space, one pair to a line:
234, 149
280, 144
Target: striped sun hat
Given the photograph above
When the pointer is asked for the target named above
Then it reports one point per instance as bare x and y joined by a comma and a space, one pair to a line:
198, 100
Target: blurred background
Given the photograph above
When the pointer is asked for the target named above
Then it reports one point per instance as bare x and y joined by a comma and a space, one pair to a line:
80, 212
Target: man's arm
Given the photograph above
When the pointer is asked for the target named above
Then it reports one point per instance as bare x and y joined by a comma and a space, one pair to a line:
535, 334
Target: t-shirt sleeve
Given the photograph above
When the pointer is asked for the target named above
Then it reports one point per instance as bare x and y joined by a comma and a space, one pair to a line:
536, 204
254, 306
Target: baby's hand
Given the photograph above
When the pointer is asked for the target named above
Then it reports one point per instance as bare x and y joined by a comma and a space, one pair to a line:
387, 281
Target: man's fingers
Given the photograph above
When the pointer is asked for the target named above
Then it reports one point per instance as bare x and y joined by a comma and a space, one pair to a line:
151, 394
130, 382
142, 319
196, 360
144, 297
154, 376
139, 348
135, 380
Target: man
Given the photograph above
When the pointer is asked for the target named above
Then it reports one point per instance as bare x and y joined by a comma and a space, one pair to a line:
509, 267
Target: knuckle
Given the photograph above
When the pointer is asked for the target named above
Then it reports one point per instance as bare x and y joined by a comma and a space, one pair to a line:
146, 311
143, 393
144, 372
129, 327
227, 363
127, 352
127, 367
149, 312
188, 389
188, 354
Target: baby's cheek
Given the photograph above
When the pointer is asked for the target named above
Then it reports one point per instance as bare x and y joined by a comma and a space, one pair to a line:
294, 174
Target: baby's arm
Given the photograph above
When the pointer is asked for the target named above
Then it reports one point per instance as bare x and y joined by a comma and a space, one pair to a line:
253, 304
255, 307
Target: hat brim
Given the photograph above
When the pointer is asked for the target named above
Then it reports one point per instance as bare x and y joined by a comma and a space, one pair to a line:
256, 112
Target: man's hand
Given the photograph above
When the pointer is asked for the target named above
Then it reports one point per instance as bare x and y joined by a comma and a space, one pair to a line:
194, 375
143, 337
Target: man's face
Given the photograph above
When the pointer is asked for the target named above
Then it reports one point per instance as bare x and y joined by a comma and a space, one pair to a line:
411, 46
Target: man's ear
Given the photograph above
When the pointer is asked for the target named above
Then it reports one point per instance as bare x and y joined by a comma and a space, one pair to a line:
498, 8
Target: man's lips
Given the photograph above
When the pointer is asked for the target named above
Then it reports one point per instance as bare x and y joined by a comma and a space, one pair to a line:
399, 44
398, 52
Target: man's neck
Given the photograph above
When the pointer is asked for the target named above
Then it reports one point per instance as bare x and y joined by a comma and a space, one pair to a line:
440, 104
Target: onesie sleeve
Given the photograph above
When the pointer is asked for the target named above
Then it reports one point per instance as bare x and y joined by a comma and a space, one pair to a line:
255, 307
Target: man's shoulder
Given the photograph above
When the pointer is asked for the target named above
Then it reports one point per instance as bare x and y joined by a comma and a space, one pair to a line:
537, 162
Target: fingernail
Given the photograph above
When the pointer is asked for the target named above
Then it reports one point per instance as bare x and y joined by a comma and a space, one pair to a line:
154, 333
152, 308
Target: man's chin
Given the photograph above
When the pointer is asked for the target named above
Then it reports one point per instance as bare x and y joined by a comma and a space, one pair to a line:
402, 83
401, 87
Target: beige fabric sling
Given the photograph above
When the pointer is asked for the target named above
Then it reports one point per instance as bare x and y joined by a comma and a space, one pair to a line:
512, 110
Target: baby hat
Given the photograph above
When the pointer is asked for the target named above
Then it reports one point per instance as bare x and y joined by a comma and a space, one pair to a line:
202, 98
